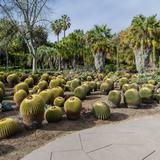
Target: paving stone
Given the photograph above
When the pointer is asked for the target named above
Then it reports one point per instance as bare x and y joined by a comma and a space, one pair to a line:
70, 155
122, 152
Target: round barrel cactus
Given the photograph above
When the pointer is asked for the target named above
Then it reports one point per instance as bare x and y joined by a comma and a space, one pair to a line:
80, 92
57, 91
72, 108
105, 87
75, 83
8, 127
114, 97
42, 85
59, 101
35, 89
21, 86
55, 83
12, 79
125, 87
132, 98
19, 96
123, 81
101, 110
45, 77
32, 110
47, 96
146, 94
29, 81
53, 114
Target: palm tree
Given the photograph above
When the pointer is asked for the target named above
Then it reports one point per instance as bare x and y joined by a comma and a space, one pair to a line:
143, 37
98, 39
65, 22
57, 28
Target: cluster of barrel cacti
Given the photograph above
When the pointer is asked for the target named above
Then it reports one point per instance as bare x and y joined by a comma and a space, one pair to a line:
43, 97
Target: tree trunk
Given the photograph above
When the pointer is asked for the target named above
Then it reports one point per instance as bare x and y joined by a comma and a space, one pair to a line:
34, 65
59, 62
99, 61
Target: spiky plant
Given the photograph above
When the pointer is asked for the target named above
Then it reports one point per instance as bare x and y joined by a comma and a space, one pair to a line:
29, 81
114, 97
55, 83
101, 110
47, 96
132, 98
152, 81
146, 94
150, 86
32, 110
125, 87
19, 96
2, 86
72, 108
75, 83
80, 92
12, 79
45, 77
57, 91
92, 85
123, 81
59, 101
8, 127
105, 87
53, 114
42, 85
35, 89
21, 86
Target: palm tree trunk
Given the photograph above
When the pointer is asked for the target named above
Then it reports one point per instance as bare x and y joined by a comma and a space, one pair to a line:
99, 61
7, 61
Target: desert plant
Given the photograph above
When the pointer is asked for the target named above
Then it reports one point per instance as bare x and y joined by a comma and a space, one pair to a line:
101, 110
55, 83
132, 98
72, 108
74, 84
114, 97
80, 92
53, 114
42, 85
32, 110
146, 94
8, 127
21, 86
12, 79
57, 91
19, 96
105, 87
29, 81
35, 89
59, 101
45, 77
47, 96
123, 81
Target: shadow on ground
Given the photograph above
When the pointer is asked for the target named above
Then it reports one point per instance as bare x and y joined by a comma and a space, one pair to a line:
6, 149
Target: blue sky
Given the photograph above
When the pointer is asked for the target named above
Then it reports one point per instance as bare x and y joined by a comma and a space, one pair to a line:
117, 14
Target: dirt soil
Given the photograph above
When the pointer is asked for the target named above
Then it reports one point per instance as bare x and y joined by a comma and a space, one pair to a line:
26, 141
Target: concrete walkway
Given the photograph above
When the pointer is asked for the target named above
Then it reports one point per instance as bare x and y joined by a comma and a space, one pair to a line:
137, 139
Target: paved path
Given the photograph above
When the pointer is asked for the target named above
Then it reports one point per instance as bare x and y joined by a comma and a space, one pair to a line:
137, 139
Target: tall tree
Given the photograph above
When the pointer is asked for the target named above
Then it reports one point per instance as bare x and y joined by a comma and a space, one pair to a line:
25, 15
98, 39
65, 20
